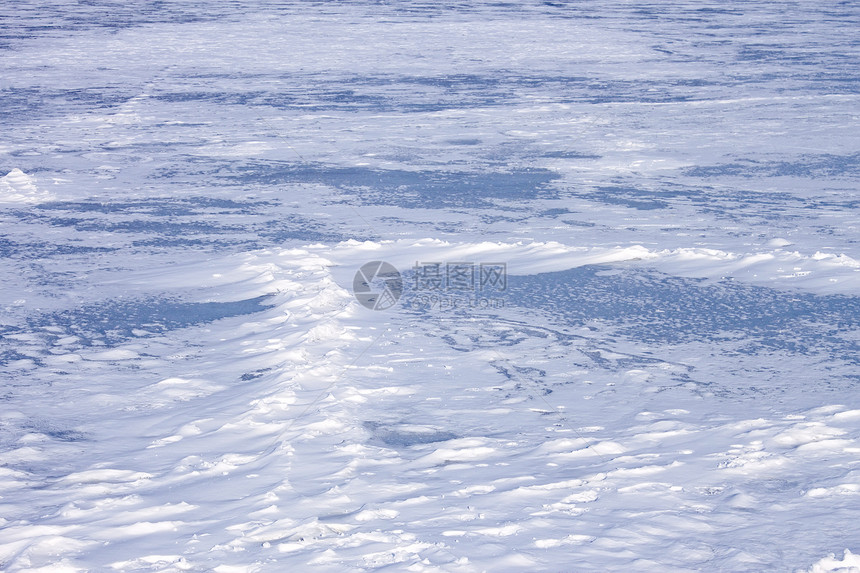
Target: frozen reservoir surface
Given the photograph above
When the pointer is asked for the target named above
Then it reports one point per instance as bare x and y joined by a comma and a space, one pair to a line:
617, 327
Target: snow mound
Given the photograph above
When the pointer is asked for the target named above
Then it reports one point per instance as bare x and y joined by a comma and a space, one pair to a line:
850, 563
779, 242
18, 187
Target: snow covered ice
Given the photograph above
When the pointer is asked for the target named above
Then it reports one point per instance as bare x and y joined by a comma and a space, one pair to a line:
665, 379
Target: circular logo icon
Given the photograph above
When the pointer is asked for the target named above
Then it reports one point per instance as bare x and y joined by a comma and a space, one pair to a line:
377, 285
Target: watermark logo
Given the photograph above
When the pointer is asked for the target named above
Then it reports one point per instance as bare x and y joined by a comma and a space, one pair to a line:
460, 277
433, 285
377, 285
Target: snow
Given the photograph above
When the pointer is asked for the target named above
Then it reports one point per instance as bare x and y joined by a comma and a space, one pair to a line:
665, 381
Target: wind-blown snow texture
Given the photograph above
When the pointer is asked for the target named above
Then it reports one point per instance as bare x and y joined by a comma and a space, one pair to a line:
669, 382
